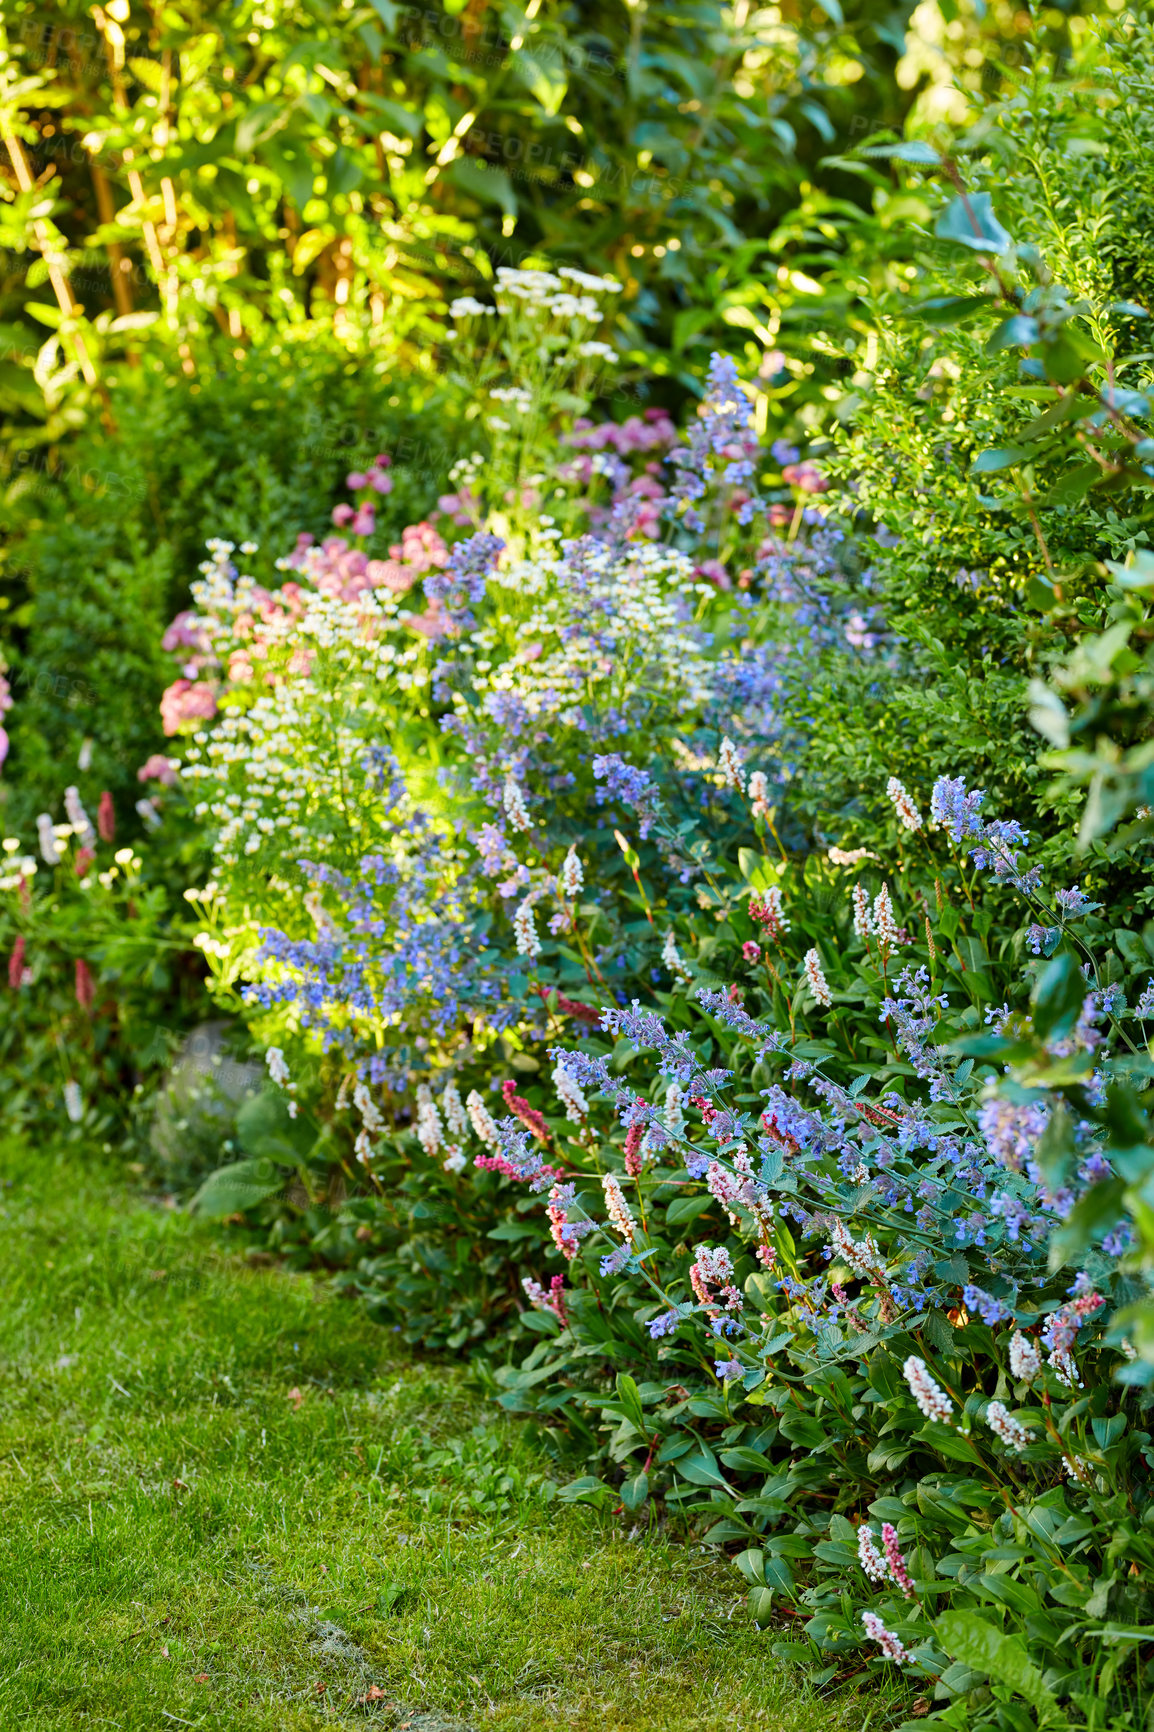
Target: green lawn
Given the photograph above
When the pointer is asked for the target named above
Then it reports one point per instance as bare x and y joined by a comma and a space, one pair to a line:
230, 1501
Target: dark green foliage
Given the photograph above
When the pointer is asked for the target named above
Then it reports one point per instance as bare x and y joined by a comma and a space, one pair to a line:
109, 529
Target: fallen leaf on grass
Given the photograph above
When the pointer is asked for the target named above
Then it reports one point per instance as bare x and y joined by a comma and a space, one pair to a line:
295, 1396
201, 1678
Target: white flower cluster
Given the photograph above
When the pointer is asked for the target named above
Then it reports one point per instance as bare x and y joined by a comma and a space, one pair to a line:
646, 590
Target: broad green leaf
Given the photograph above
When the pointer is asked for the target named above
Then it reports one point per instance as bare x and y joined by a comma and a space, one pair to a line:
913, 150
1058, 995
970, 221
985, 1648
232, 1189
491, 185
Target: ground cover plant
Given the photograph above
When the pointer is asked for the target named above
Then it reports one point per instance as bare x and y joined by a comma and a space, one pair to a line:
679, 888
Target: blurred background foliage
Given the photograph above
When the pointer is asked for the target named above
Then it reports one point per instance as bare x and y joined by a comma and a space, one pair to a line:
228, 238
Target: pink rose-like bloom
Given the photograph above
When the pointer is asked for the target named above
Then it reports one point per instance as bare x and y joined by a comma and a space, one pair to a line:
751, 951
6, 699
343, 514
185, 701
356, 480
158, 768
380, 482
3, 744
239, 667
780, 515
365, 521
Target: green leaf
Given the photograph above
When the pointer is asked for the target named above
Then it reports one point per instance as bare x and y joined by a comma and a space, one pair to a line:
343, 172
685, 1209
1002, 457
913, 150
699, 1470
947, 309
543, 79
1056, 1152
232, 1189
1057, 999
259, 122
635, 1491
1100, 1208
980, 1645
630, 1398
490, 185
267, 1130
1018, 331
970, 221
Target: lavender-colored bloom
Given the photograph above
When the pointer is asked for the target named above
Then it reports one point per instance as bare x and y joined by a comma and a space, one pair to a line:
665, 1324
988, 1308
729, 1369
462, 580
615, 1260
954, 809
1012, 1131
627, 783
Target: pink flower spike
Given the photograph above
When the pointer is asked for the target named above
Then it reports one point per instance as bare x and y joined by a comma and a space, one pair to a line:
897, 1564
890, 1645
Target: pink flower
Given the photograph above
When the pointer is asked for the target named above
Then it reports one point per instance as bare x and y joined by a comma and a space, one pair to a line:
158, 768
356, 480
84, 859
365, 521
897, 1564
16, 965
380, 483
387, 574
186, 702
3, 744
106, 817
85, 987
183, 633
806, 477
343, 514
433, 623
890, 1646
751, 951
